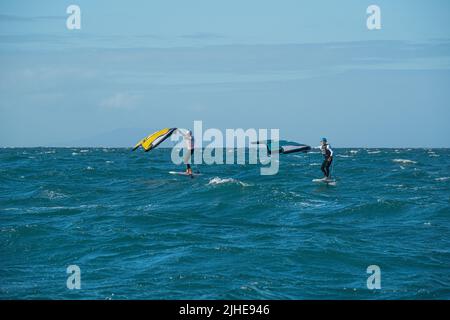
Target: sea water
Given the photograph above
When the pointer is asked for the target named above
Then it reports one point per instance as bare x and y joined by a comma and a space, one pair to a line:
137, 232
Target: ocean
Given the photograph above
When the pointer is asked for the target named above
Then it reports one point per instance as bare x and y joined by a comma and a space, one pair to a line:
137, 232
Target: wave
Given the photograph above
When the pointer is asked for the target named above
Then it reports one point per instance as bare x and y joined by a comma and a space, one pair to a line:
395, 185
404, 161
50, 194
442, 179
373, 152
217, 181
59, 208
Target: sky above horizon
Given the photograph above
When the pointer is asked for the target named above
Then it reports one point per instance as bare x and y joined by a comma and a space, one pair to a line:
308, 68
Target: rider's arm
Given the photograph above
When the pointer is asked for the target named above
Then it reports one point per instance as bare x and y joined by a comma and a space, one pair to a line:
331, 151
184, 134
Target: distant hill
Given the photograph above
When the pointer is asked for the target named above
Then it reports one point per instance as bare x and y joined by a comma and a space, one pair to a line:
118, 138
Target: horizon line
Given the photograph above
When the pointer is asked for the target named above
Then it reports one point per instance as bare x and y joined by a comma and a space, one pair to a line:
131, 147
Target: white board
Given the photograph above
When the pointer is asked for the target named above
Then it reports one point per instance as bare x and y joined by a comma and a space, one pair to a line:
330, 182
184, 173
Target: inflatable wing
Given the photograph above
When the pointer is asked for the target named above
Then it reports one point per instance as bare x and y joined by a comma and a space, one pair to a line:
153, 140
285, 147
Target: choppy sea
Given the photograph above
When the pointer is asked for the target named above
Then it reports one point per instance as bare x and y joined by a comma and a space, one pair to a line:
137, 232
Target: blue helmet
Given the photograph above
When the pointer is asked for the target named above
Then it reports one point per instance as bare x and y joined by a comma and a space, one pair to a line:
324, 140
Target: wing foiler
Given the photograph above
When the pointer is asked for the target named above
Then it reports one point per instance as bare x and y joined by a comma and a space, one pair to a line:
153, 140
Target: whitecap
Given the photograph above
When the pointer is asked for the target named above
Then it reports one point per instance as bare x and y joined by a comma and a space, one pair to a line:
404, 161
74, 153
373, 152
442, 179
57, 208
354, 151
395, 185
84, 151
50, 194
217, 181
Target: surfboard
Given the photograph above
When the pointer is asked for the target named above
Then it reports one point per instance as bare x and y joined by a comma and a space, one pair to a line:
183, 173
330, 182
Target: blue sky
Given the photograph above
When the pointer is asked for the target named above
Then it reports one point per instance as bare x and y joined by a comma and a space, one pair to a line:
309, 68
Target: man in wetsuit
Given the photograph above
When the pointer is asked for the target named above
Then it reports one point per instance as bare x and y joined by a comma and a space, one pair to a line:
328, 158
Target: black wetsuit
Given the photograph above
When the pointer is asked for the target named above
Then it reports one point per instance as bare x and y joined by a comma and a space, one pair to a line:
189, 139
188, 165
327, 160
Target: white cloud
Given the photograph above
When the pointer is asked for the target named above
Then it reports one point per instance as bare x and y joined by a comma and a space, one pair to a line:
120, 100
